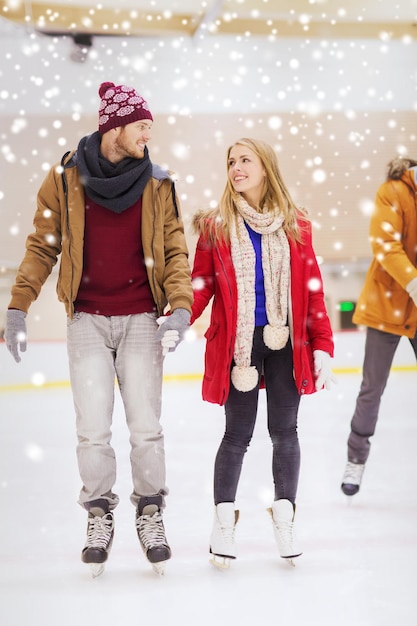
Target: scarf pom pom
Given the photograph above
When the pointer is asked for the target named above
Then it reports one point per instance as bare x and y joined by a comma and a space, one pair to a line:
244, 378
276, 337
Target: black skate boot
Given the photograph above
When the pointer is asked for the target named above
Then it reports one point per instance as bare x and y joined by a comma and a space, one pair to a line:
352, 478
100, 531
151, 532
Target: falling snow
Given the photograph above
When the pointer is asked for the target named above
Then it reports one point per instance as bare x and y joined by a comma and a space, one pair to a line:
335, 109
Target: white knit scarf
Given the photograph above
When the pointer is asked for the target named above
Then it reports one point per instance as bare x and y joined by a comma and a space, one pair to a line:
276, 269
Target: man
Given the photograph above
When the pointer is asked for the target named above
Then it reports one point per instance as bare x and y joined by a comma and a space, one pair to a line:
113, 217
387, 305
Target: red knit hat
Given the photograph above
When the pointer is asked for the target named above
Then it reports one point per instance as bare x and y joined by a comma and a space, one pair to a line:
120, 105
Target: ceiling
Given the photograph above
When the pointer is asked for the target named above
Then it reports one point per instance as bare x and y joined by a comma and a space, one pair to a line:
295, 55
196, 18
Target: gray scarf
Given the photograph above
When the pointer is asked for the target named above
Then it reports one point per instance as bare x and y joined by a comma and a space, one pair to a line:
115, 186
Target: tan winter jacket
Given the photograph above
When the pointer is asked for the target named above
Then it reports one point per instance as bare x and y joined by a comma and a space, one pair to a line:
384, 303
59, 230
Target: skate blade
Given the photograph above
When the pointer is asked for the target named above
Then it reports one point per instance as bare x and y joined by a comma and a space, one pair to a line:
220, 562
159, 568
290, 559
96, 569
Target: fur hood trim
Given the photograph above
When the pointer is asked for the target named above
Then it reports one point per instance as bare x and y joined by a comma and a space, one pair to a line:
398, 166
208, 223
202, 218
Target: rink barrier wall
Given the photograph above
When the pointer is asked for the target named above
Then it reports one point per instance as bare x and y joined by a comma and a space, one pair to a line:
45, 364
177, 378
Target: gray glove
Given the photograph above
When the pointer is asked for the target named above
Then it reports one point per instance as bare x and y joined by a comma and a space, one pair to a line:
172, 329
15, 333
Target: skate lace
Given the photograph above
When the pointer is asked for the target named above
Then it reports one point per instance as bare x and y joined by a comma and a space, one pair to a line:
228, 534
285, 532
99, 531
151, 530
353, 473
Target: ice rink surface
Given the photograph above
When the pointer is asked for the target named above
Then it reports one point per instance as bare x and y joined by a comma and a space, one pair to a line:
359, 566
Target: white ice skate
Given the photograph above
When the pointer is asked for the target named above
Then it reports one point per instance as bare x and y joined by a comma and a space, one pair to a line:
222, 539
282, 513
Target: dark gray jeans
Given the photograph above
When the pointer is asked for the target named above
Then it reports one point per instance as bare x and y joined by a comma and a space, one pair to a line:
241, 409
380, 349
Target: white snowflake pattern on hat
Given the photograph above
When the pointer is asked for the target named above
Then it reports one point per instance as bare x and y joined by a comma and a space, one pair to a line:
127, 110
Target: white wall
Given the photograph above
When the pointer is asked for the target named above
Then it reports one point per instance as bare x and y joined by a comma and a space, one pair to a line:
218, 74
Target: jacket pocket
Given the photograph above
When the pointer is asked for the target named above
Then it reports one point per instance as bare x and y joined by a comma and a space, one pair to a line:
381, 276
386, 302
211, 332
76, 317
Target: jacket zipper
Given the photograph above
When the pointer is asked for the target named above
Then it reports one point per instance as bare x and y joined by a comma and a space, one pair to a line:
158, 304
65, 188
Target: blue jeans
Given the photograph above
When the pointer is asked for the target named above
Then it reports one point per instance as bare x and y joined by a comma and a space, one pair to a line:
380, 348
101, 350
241, 409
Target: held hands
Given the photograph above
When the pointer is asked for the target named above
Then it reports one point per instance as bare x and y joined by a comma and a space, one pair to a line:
412, 290
15, 333
322, 370
172, 329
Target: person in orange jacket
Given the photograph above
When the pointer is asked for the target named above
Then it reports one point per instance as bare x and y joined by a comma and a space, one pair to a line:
269, 328
387, 305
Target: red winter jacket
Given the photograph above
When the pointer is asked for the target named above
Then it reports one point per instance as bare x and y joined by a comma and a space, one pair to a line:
214, 276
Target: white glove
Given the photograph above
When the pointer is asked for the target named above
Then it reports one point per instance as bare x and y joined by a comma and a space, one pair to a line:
412, 290
169, 338
323, 369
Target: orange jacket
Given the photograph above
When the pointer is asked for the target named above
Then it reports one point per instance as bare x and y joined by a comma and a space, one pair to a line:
384, 303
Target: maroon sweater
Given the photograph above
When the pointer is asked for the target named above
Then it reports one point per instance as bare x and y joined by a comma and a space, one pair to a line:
114, 279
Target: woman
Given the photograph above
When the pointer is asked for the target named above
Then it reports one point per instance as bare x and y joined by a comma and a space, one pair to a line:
269, 328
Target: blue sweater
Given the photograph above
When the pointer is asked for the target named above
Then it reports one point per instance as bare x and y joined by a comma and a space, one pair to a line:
260, 307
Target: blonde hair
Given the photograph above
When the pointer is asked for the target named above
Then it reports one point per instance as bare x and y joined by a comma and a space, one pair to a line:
275, 195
